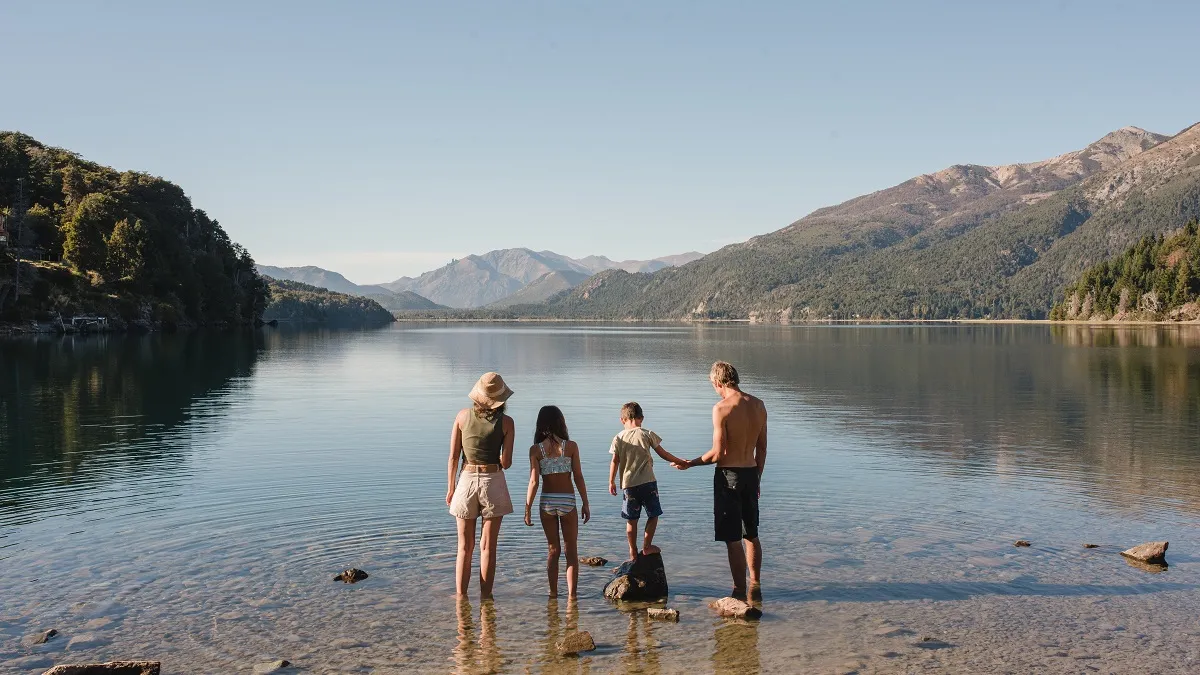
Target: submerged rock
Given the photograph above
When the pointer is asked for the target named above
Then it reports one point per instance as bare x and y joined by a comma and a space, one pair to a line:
45, 637
110, 668
272, 667
352, 575
87, 641
595, 561
932, 643
735, 608
1022, 543
641, 579
1153, 568
663, 614
1091, 545
575, 643
1154, 552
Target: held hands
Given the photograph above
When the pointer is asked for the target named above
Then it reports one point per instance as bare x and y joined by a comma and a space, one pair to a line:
682, 464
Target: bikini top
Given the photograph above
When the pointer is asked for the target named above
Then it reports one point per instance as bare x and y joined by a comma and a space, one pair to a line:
560, 463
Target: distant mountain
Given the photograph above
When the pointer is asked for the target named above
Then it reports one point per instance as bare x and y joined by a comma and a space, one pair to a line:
543, 288
967, 241
598, 263
325, 279
300, 303
403, 301
479, 280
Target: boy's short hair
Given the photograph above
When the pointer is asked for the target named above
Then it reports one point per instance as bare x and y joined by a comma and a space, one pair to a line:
632, 411
724, 374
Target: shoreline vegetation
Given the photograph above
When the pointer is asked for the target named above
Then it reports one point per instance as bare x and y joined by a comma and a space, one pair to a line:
126, 249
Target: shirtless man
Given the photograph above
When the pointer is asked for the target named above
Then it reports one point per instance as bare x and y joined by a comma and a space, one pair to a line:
739, 450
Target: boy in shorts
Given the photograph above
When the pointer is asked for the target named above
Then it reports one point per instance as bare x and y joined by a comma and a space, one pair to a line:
632, 461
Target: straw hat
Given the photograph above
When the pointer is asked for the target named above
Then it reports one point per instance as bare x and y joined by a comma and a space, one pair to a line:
490, 391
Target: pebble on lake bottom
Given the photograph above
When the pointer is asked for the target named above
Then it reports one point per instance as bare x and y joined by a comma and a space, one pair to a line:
1022, 543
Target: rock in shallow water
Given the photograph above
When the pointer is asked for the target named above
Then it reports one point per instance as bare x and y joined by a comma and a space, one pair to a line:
735, 608
595, 561
1154, 552
1022, 543
352, 575
272, 667
45, 637
575, 643
111, 668
642, 579
663, 614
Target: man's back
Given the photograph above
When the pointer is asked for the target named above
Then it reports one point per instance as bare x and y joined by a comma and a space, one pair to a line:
744, 418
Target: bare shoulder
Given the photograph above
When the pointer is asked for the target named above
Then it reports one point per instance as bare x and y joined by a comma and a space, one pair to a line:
572, 448
461, 417
509, 425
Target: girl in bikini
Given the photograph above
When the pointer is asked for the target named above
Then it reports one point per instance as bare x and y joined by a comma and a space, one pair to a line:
554, 459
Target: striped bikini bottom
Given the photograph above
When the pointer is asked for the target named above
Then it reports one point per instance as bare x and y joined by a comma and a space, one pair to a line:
558, 503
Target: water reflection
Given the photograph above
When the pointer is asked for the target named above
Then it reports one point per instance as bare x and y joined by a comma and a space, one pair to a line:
641, 646
80, 409
477, 655
737, 648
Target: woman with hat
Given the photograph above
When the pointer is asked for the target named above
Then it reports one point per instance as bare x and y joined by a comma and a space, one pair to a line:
483, 436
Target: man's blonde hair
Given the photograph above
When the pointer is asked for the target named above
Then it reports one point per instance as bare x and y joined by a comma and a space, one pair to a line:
724, 374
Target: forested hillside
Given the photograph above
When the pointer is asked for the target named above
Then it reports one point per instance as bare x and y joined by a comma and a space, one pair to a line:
966, 242
1157, 278
300, 303
122, 243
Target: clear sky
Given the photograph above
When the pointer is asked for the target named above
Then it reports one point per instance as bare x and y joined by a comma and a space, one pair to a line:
382, 139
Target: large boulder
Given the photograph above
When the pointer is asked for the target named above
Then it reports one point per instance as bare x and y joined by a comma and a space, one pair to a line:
111, 668
1154, 552
643, 579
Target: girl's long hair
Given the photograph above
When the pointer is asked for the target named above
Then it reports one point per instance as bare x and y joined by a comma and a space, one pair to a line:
550, 422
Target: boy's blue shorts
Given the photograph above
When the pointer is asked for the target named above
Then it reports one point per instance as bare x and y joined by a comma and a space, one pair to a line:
638, 496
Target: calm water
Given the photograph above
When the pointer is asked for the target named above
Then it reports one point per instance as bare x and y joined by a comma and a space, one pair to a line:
189, 498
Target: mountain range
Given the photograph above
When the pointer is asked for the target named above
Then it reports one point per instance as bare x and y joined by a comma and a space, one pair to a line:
969, 241
479, 280
501, 278
332, 281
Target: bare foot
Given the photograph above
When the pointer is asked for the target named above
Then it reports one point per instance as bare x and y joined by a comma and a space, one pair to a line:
633, 554
756, 593
651, 549
553, 594
738, 594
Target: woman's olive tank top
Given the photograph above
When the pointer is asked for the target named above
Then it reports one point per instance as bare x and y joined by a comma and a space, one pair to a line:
482, 438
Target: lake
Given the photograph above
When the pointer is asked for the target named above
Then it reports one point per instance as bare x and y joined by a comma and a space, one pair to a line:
188, 498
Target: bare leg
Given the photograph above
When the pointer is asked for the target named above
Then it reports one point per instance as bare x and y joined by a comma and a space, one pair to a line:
570, 535
487, 556
648, 546
550, 526
737, 567
466, 549
631, 536
754, 561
